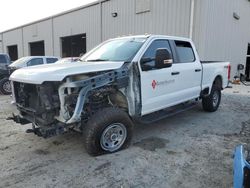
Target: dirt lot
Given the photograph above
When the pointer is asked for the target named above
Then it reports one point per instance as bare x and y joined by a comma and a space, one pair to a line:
191, 149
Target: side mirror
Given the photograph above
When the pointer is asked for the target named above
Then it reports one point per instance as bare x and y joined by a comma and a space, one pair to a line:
163, 58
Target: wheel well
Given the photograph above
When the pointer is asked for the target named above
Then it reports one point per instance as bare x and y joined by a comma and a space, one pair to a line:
218, 81
119, 99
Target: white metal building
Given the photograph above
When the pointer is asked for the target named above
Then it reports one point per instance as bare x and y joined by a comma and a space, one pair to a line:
219, 28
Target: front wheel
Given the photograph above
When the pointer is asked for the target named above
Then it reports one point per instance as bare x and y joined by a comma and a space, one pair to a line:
212, 102
5, 87
108, 130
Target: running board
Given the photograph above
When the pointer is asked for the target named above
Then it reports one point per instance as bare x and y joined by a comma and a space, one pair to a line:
162, 114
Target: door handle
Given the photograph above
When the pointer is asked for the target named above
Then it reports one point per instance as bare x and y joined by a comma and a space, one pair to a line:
175, 73
197, 70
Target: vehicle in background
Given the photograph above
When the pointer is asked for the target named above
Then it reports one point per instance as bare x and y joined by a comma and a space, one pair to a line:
68, 60
241, 167
32, 61
121, 81
4, 61
5, 87
6, 68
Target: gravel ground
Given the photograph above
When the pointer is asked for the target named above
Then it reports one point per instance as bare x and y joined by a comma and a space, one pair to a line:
192, 149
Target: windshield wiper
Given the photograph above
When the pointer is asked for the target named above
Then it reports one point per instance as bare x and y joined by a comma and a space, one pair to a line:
97, 60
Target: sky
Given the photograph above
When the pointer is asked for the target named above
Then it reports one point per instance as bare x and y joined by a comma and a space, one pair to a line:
15, 13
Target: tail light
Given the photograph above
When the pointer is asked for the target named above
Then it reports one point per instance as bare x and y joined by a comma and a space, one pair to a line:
229, 71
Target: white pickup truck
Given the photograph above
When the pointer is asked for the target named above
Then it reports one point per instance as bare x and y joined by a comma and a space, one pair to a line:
123, 80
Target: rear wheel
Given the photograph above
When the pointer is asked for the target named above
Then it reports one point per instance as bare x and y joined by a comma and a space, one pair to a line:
212, 102
109, 130
5, 87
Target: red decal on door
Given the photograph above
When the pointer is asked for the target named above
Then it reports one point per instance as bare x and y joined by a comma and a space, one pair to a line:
154, 84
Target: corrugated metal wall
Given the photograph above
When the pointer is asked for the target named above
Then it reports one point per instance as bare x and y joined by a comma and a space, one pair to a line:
12, 38
87, 20
218, 35
41, 31
169, 17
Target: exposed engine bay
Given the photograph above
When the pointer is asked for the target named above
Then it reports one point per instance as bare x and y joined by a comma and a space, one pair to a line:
56, 107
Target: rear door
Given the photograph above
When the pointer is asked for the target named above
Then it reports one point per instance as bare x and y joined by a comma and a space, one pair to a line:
189, 71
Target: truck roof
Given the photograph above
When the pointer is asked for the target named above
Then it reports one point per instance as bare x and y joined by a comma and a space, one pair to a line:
155, 36
41, 56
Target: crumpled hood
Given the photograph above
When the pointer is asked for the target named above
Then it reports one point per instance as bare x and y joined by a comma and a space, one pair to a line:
57, 72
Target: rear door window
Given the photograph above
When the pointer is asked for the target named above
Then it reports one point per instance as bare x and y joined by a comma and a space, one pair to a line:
51, 60
184, 51
35, 61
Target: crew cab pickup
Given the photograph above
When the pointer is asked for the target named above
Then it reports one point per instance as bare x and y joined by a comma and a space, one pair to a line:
121, 81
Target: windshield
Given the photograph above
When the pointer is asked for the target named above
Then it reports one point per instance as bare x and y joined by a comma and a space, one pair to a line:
116, 50
19, 62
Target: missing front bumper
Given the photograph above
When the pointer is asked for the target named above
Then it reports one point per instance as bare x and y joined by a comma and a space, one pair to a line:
45, 132
18, 119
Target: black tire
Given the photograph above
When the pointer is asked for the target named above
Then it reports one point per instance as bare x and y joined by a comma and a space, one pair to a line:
5, 87
95, 130
212, 102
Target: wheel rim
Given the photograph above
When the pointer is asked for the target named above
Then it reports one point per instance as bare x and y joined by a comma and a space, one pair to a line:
7, 87
215, 98
113, 137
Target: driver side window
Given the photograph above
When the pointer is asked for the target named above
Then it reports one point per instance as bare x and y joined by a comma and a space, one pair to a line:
151, 51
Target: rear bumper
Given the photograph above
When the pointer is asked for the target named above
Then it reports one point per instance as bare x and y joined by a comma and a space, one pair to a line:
241, 167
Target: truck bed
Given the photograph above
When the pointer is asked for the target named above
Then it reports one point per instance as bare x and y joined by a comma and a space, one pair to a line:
211, 69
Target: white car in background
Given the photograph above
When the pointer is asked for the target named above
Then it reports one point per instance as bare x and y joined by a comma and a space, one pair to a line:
27, 61
68, 60
32, 61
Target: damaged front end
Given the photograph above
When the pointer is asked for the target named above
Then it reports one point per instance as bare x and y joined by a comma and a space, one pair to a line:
56, 107
37, 104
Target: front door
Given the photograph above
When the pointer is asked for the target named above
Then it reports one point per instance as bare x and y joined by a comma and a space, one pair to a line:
158, 85
162, 88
